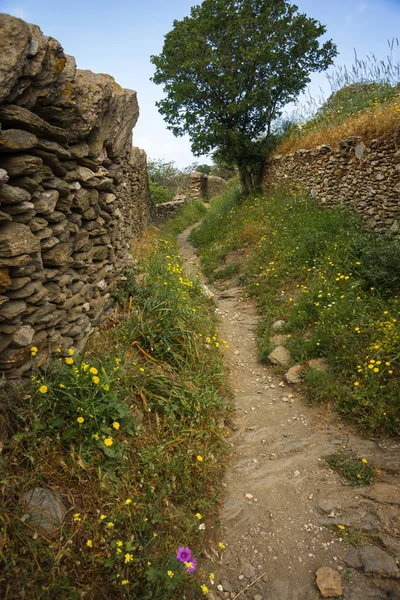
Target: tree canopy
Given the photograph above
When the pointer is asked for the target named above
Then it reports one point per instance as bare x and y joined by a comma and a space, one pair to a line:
228, 70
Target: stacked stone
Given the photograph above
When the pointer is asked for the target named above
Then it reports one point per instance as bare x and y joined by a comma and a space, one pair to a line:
363, 178
73, 194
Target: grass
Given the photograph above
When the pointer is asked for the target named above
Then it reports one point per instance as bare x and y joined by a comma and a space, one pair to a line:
129, 436
368, 110
355, 469
335, 285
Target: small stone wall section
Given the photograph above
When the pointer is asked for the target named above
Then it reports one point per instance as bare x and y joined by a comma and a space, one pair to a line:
73, 195
363, 178
202, 187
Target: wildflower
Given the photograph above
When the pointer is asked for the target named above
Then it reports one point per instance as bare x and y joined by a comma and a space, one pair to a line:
69, 361
198, 516
204, 589
96, 380
43, 389
202, 526
77, 517
62, 386
84, 366
183, 554
89, 544
71, 352
212, 577
128, 501
170, 573
341, 527
58, 350
34, 351
108, 441
119, 543
106, 387
148, 563
80, 420
116, 425
221, 545
376, 370
364, 460
102, 517
356, 383
128, 558
125, 582
191, 565
141, 369
93, 371
199, 458
95, 436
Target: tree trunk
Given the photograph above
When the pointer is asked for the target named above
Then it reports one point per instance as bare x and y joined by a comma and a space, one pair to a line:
251, 177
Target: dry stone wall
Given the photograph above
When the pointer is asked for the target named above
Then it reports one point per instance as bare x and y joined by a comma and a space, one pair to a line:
364, 178
73, 195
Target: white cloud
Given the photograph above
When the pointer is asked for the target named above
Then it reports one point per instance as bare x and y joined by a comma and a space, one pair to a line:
16, 11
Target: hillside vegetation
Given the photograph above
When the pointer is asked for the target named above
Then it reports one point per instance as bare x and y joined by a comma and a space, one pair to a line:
334, 285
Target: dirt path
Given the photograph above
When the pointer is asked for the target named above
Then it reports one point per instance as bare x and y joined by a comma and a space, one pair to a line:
283, 503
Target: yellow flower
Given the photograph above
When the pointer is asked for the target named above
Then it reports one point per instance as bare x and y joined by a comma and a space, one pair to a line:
125, 582
34, 351
199, 516
141, 369
119, 543
204, 589
106, 387
376, 370
170, 573
128, 558
89, 544
110, 525
80, 420
71, 352
356, 383
221, 545
69, 361
43, 389
212, 577
96, 380
364, 460
102, 517
116, 425
199, 458
148, 563
128, 501
95, 436
108, 441
93, 371
341, 527
77, 517
61, 385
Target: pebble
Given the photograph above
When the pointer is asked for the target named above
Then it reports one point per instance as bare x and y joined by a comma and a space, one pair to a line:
241, 577
257, 597
249, 496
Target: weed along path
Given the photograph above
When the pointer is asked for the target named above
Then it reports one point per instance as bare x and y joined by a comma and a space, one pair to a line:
286, 513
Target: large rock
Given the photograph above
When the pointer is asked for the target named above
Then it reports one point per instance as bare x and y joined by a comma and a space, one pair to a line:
329, 583
5, 280
17, 116
95, 107
280, 356
45, 510
15, 39
294, 374
21, 164
379, 562
15, 140
10, 194
16, 239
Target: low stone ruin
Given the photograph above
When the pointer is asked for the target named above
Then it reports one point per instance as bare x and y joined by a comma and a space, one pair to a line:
73, 195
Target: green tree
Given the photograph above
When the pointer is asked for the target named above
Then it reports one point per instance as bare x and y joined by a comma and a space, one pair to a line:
229, 69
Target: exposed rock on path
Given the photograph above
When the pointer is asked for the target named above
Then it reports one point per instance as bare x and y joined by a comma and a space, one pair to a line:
283, 503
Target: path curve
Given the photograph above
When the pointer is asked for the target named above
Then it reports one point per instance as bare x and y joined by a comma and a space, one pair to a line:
282, 502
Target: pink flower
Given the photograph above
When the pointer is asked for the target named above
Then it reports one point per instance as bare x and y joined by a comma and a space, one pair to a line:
184, 554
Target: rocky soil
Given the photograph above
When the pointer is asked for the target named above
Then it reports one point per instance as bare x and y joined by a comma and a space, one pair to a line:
283, 503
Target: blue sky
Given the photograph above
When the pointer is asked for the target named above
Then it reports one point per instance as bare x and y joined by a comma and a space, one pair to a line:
118, 37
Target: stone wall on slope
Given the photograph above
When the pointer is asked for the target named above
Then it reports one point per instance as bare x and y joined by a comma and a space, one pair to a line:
364, 178
73, 195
